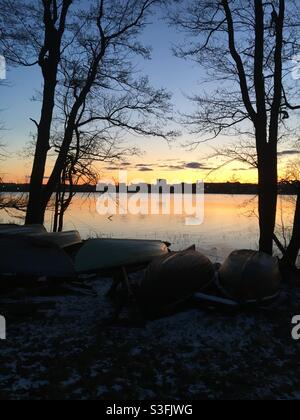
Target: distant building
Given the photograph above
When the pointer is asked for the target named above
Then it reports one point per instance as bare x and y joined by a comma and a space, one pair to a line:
162, 182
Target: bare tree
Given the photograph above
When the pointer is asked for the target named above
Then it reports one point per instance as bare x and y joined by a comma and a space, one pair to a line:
100, 97
33, 34
293, 249
2, 128
247, 47
88, 51
81, 168
3, 201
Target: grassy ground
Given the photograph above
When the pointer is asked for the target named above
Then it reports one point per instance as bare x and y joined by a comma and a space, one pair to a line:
65, 350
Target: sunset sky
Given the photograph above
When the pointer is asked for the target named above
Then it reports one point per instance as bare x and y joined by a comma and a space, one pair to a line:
159, 159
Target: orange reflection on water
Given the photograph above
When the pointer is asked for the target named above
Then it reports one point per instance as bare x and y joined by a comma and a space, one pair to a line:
230, 222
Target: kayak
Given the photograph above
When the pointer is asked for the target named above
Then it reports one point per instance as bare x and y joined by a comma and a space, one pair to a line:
97, 255
40, 234
8, 230
61, 239
23, 256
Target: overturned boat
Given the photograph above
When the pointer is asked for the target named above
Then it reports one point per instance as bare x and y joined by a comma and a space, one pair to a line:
99, 255
26, 256
29, 253
248, 276
32, 251
12, 229
39, 235
170, 278
173, 279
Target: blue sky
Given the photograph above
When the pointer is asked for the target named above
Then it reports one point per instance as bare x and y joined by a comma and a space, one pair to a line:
178, 76
165, 70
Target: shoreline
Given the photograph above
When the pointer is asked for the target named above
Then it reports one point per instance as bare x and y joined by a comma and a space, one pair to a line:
209, 189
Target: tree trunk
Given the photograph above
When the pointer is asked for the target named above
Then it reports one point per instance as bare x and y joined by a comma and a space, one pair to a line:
56, 211
36, 205
268, 192
61, 221
292, 253
267, 152
35, 209
49, 58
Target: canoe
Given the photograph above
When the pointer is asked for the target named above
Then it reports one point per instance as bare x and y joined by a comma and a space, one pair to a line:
39, 233
98, 255
7, 226
249, 276
7, 230
22, 256
173, 279
61, 239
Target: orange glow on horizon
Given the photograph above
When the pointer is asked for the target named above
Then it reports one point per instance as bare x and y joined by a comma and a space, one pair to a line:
18, 172
17, 175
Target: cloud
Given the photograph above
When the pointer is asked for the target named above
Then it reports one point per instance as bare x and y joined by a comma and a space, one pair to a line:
184, 165
145, 169
289, 153
112, 168
181, 166
245, 169
117, 167
199, 166
143, 165
172, 167
194, 165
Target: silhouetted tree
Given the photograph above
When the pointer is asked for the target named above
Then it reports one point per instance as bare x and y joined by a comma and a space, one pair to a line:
86, 152
247, 47
34, 34
292, 252
118, 102
2, 143
94, 45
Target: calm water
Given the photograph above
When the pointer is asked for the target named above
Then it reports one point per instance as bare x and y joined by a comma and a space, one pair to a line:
229, 223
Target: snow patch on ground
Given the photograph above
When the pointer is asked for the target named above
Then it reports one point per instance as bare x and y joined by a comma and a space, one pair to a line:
68, 351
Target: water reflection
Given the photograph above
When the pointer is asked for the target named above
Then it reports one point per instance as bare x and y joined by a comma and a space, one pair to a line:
230, 222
